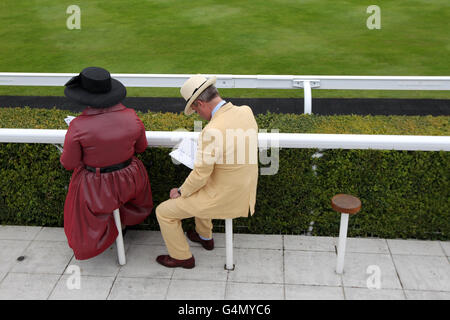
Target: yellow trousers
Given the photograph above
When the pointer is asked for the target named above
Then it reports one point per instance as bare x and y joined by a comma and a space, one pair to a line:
169, 216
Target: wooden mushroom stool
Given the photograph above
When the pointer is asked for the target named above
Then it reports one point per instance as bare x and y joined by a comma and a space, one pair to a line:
346, 205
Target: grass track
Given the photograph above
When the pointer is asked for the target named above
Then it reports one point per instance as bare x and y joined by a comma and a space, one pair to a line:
301, 37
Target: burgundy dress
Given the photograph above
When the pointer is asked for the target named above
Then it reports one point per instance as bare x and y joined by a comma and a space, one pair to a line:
100, 138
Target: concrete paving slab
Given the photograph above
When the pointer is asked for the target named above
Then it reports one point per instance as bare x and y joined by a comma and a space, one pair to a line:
425, 273
141, 263
139, 289
366, 245
51, 234
254, 291
311, 268
302, 292
196, 290
427, 295
105, 264
91, 288
415, 247
360, 268
44, 257
307, 243
144, 237
373, 294
26, 286
149, 237
446, 247
257, 265
219, 240
257, 241
10, 250
209, 265
18, 232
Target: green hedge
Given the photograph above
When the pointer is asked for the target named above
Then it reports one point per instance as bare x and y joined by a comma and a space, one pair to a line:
404, 194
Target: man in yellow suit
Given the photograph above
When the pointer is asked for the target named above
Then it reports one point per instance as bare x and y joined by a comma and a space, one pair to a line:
222, 184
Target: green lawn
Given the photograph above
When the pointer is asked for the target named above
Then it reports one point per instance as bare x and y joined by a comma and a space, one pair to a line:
301, 37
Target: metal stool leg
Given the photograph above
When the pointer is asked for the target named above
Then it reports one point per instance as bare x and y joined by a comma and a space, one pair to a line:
229, 244
119, 240
342, 241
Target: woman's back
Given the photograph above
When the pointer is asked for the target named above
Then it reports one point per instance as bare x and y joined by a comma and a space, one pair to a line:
103, 137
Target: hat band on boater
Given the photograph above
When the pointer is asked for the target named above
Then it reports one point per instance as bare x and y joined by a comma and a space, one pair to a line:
196, 90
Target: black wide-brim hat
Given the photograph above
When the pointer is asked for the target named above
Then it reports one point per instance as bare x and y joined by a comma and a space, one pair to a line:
94, 87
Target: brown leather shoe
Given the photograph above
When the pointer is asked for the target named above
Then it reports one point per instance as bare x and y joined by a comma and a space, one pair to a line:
195, 237
170, 262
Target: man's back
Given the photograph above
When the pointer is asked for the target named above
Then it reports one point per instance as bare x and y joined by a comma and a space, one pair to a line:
227, 163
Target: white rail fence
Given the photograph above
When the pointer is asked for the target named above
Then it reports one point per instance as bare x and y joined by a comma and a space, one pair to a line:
169, 139
307, 83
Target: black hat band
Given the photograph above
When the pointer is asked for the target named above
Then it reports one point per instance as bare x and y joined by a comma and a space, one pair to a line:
90, 85
95, 86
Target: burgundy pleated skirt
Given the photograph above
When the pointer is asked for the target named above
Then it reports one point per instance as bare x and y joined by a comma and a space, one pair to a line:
88, 211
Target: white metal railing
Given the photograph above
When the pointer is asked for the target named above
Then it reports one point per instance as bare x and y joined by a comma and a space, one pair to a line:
265, 140
248, 81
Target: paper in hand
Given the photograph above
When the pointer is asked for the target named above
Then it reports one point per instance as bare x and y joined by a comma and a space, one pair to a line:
68, 119
185, 153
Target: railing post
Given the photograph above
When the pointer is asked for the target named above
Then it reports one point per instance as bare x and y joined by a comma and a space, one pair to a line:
307, 97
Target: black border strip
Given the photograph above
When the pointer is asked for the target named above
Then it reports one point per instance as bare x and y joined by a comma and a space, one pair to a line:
320, 106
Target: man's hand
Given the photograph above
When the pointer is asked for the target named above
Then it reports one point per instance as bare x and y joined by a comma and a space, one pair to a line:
174, 193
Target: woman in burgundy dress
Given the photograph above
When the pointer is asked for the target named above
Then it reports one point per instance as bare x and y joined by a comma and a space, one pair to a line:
99, 146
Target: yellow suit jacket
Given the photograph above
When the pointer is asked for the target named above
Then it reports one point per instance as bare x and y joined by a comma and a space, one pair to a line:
223, 183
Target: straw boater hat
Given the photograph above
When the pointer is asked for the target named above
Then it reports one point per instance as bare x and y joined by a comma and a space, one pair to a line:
192, 88
94, 87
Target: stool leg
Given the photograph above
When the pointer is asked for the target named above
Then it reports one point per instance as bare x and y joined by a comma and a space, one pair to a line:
229, 243
119, 240
342, 240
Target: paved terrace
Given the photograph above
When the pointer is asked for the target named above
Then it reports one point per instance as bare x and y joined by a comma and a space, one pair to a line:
274, 267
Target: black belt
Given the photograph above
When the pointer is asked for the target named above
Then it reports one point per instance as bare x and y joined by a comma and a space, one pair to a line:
112, 168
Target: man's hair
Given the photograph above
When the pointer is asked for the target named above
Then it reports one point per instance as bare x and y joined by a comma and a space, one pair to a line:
208, 94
